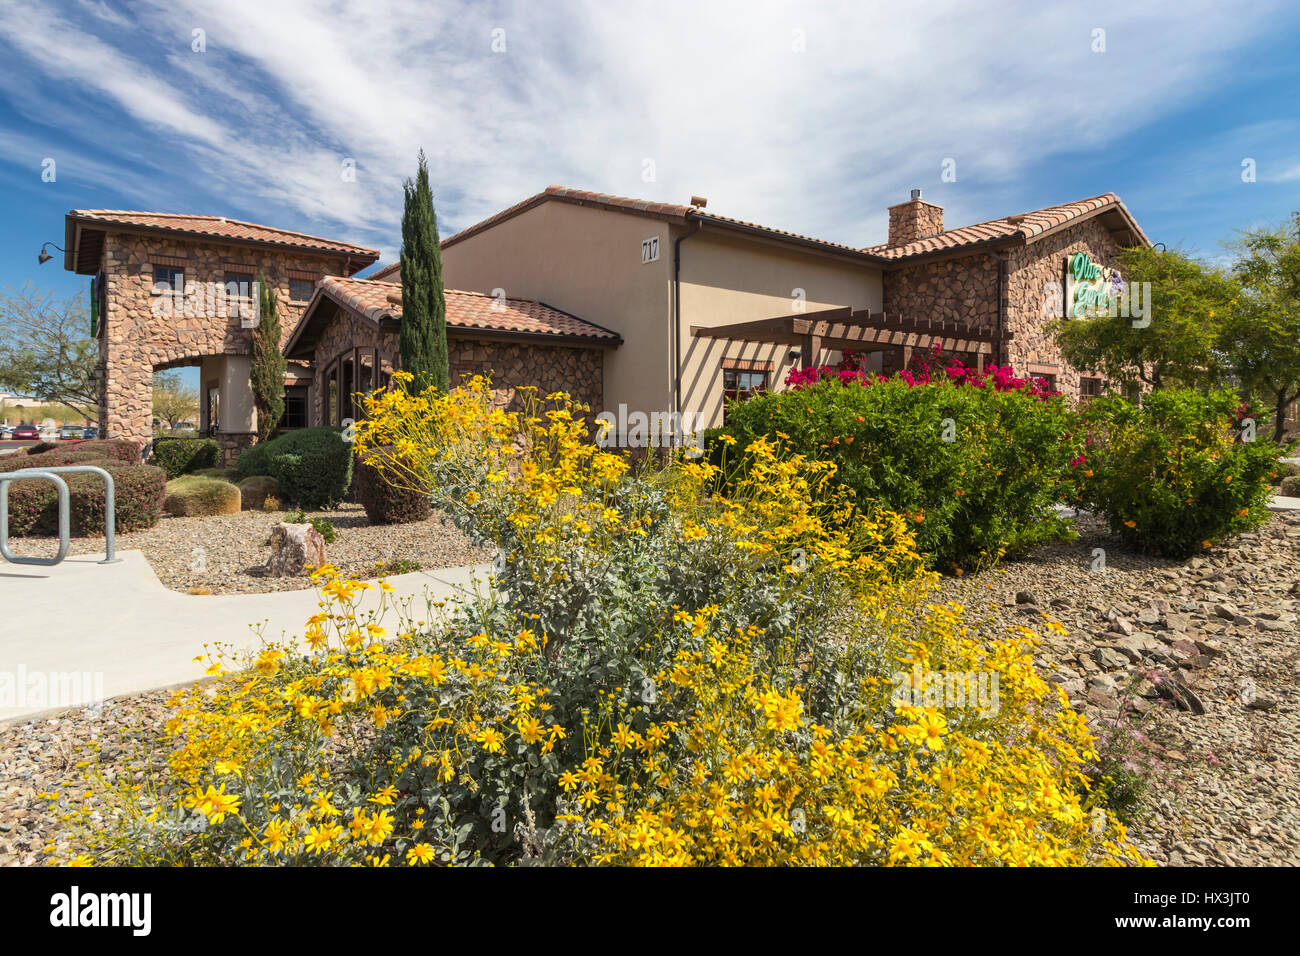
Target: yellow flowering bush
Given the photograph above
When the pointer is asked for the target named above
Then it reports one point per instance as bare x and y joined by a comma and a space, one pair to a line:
662, 674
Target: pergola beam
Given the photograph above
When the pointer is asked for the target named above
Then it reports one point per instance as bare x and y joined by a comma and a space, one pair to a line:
843, 328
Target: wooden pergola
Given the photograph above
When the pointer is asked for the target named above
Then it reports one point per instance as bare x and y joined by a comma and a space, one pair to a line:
863, 331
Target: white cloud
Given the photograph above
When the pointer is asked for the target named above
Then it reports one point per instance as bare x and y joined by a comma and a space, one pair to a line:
716, 94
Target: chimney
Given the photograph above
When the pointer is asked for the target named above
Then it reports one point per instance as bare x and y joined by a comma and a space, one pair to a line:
913, 220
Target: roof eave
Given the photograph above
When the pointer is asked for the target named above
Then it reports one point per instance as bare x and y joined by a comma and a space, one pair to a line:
360, 257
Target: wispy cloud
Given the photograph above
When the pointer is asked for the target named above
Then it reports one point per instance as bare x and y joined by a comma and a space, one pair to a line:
812, 117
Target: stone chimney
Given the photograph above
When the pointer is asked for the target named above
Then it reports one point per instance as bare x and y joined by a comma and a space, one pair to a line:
913, 220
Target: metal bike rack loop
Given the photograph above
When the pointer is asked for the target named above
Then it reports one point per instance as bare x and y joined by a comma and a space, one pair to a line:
52, 475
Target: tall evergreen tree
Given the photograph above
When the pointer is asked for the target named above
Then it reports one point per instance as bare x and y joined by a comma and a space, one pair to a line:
267, 374
423, 339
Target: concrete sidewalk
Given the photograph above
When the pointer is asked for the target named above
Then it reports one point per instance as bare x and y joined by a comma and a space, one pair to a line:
81, 631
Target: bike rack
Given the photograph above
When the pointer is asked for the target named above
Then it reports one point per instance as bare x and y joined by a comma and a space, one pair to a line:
52, 475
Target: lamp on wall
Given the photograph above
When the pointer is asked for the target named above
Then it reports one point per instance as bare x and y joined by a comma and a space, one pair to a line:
44, 257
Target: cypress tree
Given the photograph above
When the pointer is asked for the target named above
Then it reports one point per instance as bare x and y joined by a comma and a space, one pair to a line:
423, 337
267, 373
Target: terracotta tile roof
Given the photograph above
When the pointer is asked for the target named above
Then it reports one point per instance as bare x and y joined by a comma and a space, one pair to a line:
379, 300
657, 210
222, 228
1026, 226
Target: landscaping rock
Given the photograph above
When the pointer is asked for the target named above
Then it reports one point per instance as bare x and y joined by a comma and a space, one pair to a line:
293, 547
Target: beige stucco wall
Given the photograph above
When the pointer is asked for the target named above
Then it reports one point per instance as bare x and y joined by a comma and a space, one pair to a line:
588, 262
727, 279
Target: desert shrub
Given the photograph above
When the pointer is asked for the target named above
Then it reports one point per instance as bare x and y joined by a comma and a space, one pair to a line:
225, 474
1171, 475
976, 468
385, 502
1290, 486
256, 491
312, 465
324, 528
41, 447
193, 495
667, 674
138, 491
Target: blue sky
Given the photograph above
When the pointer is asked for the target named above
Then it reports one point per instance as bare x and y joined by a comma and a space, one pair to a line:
810, 117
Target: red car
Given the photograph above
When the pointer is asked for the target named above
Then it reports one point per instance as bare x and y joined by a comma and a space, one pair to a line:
26, 433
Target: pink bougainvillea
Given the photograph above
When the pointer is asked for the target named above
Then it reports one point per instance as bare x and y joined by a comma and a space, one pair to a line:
922, 370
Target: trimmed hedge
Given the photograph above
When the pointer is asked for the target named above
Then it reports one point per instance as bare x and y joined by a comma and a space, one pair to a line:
312, 465
254, 491
139, 492
975, 469
74, 453
384, 503
195, 495
180, 456
225, 474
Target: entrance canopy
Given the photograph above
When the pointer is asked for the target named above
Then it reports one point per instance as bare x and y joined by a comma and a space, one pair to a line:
861, 331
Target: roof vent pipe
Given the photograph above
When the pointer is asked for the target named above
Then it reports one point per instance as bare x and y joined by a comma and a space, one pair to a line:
916, 194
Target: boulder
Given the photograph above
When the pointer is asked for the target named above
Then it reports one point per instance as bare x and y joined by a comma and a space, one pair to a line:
293, 548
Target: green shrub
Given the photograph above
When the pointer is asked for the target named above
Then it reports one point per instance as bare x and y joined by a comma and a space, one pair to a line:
1290, 486
1170, 475
193, 495
386, 503
138, 490
313, 465
225, 474
976, 471
256, 490
182, 456
317, 475
323, 527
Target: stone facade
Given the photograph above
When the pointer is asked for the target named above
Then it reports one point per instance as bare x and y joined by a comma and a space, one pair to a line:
139, 336
965, 289
1034, 288
511, 365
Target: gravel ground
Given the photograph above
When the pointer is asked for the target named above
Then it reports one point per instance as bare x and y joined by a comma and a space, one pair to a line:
1203, 655
225, 554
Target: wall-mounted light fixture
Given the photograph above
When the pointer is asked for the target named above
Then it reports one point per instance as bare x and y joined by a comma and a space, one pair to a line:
44, 257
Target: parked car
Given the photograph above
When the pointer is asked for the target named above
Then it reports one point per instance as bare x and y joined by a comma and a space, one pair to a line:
92, 431
5, 432
71, 431
26, 433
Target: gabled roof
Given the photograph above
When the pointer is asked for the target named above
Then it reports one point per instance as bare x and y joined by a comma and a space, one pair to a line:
1025, 227
469, 315
95, 222
666, 212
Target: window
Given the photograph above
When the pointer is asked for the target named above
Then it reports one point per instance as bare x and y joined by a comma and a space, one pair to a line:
1049, 378
1089, 388
168, 279
738, 384
295, 410
300, 290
